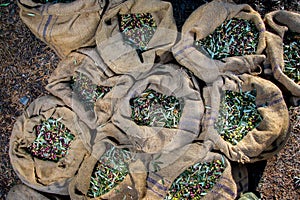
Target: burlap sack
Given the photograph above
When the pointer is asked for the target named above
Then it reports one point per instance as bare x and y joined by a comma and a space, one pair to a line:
167, 80
262, 142
43, 175
65, 26
158, 183
201, 23
22, 192
87, 62
79, 186
123, 58
280, 22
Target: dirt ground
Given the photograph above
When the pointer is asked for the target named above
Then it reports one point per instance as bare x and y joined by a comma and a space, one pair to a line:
26, 63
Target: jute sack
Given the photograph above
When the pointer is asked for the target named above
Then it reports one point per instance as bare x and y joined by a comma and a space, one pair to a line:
263, 141
123, 58
159, 182
168, 80
201, 23
87, 62
64, 26
281, 22
24, 192
45, 175
107, 134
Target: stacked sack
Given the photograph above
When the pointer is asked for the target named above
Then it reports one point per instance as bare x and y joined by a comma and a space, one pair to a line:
125, 120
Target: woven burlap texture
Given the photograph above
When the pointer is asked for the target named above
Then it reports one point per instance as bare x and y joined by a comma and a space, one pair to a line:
87, 62
44, 175
65, 26
168, 80
23, 192
174, 163
260, 143
80, 184
122, 58
281, 22
203, 22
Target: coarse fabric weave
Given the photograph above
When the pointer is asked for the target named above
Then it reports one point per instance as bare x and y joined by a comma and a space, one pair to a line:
201, 23
23, 192
280, 22
176, 162
107, 134
168, 80
121, 57
65, 26
46, 175
87, 62
261, 142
